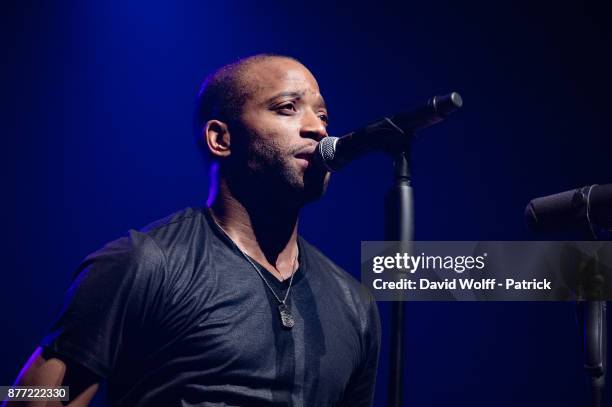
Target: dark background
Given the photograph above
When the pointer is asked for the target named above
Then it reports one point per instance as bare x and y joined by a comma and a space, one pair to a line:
97, 102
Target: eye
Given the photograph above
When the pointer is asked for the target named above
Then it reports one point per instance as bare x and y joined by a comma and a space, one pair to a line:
324, 118
288, 107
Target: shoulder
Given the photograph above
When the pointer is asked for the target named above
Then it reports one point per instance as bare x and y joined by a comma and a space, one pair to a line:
353, 293
177, 227
148, 248
181, 238
329, 270
118, 294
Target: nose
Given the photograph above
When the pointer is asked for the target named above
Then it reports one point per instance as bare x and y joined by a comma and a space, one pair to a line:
313, 127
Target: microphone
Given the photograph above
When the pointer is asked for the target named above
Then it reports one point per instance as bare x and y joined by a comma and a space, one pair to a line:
581, 209
389, 134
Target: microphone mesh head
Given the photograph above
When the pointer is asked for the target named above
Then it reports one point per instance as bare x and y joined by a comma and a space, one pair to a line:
327, 148
327, 151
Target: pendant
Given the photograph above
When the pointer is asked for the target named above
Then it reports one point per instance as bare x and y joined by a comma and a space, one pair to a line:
285, 316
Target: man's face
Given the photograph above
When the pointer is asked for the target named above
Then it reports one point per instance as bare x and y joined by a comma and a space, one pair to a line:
282, 120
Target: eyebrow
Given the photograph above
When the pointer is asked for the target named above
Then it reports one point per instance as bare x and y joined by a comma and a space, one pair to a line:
297, 95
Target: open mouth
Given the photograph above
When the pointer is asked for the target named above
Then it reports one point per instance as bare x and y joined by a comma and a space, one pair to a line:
304, 156
305, 159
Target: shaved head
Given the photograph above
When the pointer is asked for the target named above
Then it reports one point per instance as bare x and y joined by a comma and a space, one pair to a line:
224, 92
259, 120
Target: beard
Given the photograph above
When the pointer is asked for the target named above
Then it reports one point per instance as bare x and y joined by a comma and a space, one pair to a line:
266, 172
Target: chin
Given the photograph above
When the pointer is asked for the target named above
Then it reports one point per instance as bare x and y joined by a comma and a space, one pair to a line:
293, 186
314, 186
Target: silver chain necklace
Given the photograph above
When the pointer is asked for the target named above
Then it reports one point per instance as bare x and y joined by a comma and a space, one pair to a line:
286, 317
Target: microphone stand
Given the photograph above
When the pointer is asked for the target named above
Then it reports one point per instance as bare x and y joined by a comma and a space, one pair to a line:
399, 226
592, 320
395, 137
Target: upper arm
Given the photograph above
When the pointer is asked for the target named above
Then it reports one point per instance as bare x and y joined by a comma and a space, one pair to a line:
104, 313
113, 301
41, 370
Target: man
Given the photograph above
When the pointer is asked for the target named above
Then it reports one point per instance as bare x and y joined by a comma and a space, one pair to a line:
225, 305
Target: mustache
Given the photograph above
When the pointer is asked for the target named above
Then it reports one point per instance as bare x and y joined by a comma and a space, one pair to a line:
306, 149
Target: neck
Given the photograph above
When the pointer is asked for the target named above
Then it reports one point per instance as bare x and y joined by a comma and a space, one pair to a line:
261, 227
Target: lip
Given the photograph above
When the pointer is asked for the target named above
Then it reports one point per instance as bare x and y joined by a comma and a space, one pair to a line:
305, 155
303, 160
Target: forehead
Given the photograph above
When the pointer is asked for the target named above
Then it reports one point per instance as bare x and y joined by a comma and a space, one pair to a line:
270, 77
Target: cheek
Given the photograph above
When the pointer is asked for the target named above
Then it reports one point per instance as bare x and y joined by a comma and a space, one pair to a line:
265, 150
271, 136
271, 143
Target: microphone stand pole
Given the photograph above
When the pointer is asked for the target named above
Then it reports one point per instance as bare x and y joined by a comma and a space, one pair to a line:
595, 348
399, 226
592, 318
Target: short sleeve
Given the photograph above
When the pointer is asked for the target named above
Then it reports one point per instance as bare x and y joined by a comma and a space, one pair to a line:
111, 300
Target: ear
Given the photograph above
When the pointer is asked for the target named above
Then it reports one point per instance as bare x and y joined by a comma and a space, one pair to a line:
217, 137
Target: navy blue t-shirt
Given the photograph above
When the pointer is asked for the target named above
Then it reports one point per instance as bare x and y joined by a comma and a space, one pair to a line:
174, 315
